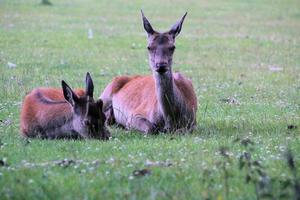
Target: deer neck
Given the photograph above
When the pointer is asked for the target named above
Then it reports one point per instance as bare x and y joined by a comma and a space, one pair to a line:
167, 96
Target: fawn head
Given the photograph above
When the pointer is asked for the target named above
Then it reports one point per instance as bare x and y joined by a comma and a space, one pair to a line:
88, 117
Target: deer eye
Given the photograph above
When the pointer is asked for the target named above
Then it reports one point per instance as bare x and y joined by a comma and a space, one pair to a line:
150, 48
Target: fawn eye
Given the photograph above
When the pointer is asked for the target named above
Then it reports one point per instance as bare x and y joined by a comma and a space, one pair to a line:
172, 48
87, 122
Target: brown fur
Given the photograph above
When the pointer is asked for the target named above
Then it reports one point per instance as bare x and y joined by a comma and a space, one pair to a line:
120, 81
35, 113
138, 98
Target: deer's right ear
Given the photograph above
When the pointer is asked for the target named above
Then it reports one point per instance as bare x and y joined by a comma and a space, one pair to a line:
147, 26
69, 95
100, 104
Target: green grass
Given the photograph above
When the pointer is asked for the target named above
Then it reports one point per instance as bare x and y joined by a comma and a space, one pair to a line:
226, 47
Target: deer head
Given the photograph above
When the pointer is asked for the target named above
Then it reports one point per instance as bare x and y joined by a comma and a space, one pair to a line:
161, 46
88, 117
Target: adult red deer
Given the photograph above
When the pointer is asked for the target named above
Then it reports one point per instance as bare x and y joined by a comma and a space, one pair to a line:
63, 113
165, 101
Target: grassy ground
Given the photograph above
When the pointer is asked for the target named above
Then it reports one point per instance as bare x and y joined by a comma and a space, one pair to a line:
246, 51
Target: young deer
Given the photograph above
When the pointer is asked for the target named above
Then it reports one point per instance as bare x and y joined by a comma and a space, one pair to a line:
165, 101
55, 113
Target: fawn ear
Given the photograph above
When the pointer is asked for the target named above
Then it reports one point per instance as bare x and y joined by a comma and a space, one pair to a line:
176, 28
87, 106
89, 85
147, 26
69, 94
99, 103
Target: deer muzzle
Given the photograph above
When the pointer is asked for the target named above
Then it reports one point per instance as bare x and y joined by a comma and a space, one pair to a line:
161, 68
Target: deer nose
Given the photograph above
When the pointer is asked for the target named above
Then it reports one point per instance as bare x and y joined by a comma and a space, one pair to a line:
161, 67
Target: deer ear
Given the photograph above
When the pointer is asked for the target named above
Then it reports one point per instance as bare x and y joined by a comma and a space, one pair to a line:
176, 28
147, 26
69, 95
89, 85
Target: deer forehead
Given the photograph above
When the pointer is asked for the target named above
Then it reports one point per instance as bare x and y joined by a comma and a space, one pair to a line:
163, 39
94, 110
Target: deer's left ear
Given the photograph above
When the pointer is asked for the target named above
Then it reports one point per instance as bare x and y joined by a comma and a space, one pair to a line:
176, 28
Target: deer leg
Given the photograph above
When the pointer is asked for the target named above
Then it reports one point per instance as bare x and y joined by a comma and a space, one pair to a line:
142, 124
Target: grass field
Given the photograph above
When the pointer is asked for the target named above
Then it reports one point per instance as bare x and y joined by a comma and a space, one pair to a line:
243, 58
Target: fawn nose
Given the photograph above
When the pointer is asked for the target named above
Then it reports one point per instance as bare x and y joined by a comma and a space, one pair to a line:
161, 67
